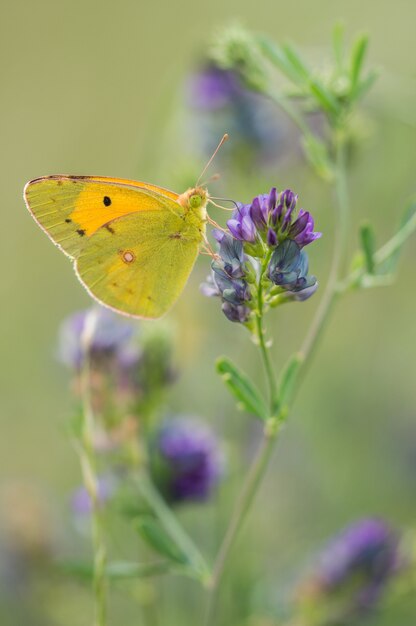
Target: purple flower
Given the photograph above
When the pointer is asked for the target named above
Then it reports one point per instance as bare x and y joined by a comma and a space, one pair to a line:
81, 502
228, 279
353, 570
218, 100
288, 269
213, 88
241, 225
112, 337
272, 218
189, 461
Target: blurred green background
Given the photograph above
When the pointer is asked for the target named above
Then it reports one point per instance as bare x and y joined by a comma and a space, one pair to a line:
93, 88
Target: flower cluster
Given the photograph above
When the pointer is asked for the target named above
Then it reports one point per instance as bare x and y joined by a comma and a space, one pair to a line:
264, 245
188, 462
353, 570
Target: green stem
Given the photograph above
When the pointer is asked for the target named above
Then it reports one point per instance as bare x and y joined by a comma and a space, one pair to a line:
262, 459
245, 500
331, 290
85, 449
265, 354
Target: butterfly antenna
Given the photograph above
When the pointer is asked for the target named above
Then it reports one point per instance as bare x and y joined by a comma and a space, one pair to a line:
223, 140
211, 198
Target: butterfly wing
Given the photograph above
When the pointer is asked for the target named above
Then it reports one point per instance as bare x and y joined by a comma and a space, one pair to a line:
72, 208
139, 263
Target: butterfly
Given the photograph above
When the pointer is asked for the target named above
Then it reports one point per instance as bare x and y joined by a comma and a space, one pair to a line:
133, 244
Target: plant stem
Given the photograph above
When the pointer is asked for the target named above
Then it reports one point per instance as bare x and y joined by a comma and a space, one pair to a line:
85, 449
270, 375
248, 492
331, 291
259, 466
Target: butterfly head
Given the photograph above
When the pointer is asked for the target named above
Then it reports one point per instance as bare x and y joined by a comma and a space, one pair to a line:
194, 199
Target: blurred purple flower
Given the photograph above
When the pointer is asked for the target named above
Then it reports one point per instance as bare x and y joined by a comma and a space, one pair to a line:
112, 337
213, 88
353, 570
81, 502
189, 460
219, 101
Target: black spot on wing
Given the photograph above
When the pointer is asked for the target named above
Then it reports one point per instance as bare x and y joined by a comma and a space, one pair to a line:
81, 232
68, 220
107, 201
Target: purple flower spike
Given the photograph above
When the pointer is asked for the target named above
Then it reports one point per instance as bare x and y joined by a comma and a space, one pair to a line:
272, 199
302, 229
191, 461
353, 570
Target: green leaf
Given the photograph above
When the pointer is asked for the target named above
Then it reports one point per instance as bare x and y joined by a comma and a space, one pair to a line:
288, 378
357, 59
155, 536
242, 388
295, 61
278, 57
387, 264
368, 246
324, 97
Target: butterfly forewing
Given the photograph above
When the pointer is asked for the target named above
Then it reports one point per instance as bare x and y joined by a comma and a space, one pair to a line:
72, 208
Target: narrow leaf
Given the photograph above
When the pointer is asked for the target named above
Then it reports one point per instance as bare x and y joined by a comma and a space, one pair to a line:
172, 528
297, 64
242, 388
288, 379
357, 59
324, 97
388, 256
368, 246
155, 536
279, 59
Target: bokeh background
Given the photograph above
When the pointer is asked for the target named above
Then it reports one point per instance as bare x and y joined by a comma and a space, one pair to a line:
98, 88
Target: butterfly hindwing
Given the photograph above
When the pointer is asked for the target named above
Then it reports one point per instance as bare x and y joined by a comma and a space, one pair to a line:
139, 264
72, 208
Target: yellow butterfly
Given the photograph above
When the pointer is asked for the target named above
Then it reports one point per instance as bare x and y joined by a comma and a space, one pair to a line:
133, 244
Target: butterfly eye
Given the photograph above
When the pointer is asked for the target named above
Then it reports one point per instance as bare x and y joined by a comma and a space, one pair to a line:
195, 201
